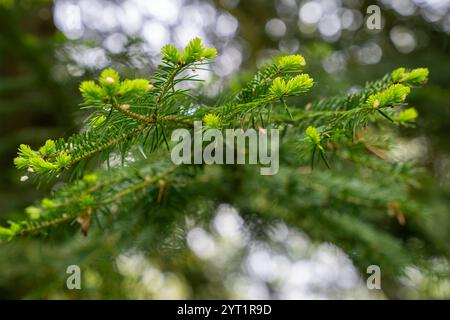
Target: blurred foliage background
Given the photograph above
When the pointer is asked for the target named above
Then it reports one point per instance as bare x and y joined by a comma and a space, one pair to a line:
47, 48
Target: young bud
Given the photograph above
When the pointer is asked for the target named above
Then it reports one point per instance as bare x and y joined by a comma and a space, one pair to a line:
313, 135
292, 62
109, 80
211, 120
33, 212
90, 178
376, 104
47, 203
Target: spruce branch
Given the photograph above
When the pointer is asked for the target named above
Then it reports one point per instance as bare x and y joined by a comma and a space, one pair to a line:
108, 131
84, 198
137, 115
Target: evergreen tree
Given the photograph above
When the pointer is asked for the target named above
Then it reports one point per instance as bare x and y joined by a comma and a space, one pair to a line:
337, 180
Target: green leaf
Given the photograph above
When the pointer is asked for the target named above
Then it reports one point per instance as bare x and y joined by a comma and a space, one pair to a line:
292, 62
210, 53
26, 151
393, 95
21, 162
416, 76
211, 121
91, 91
63, 160
48, 148
193, 51
313, 135
278, 88
407, 115
171, 53
299, 84
47, 203
6, 233
294, 86
90, 178
134, 87
86, 200
42, 166
33, 213
97, 121
397, 74
109, 78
